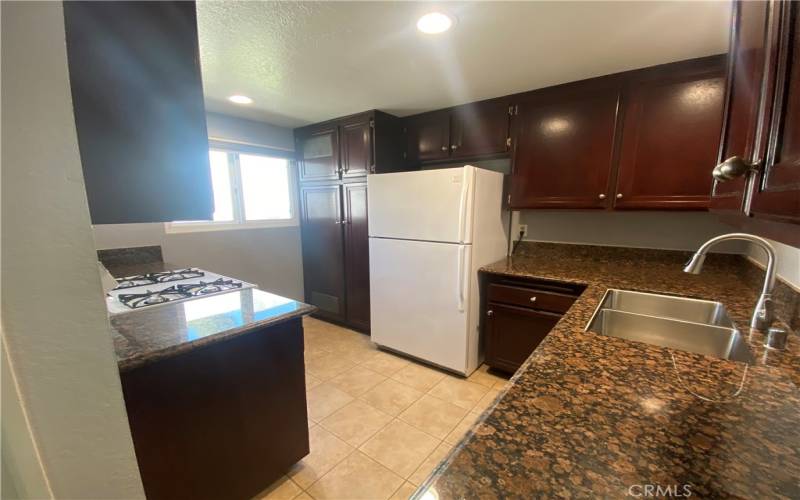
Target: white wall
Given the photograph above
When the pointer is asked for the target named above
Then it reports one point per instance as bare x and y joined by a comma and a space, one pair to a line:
788, 259
54, 319
270, 258
667, 230
249, 131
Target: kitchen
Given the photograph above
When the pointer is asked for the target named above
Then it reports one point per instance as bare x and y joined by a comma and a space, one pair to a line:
480, 286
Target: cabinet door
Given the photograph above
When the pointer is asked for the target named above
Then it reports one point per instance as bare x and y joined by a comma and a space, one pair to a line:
741, 126
563, 145
356, 254
357, 152
512, 333
318, 151
323, 250
777, 193
137, 95
428, 136
670, 135
479, 129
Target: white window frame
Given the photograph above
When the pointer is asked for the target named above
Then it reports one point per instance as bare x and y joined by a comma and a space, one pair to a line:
237, 200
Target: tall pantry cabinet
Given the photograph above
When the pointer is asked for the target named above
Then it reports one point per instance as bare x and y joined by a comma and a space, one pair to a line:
334, 159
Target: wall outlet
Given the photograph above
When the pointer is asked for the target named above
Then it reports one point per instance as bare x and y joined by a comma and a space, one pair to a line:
523, 228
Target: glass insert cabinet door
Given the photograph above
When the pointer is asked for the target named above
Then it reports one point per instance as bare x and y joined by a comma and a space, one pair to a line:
320, 155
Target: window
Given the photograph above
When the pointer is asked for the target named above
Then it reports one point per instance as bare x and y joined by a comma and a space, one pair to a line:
250, 191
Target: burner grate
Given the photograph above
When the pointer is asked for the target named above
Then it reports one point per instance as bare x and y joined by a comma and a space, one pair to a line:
161, 277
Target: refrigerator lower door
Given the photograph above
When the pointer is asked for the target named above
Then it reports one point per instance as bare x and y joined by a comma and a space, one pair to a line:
419, 296
429, 205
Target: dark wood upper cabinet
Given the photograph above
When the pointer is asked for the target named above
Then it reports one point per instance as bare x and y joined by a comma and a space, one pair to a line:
563, 144
670, 135
357, 153
428, 136
323, 249
140, 118
318, 153
356, 240
351, 146
480, 129
776, 193
743, 116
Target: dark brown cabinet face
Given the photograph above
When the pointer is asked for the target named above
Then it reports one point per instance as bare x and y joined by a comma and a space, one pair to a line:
479, 129
563, 144
357, 150
140, 119
777, 192
323, 249
512, 333
356, 254
318, 154
670, 137
745, 80
428, 136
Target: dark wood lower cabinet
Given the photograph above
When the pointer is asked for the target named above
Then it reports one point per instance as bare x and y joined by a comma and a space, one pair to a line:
336, 251
513, 333
323, 249
222, 421
517, 315
356, 254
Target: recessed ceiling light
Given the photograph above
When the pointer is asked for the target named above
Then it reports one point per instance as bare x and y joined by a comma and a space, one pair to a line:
434, 22
240, 99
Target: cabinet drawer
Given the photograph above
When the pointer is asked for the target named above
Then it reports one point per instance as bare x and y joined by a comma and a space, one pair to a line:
530, 297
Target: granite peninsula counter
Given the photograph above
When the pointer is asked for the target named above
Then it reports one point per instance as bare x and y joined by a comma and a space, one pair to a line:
595, 416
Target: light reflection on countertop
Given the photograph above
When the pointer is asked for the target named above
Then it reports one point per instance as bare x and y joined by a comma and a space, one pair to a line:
150, 334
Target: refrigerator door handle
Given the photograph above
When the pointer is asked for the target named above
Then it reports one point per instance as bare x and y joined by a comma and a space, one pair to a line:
461, 251
467, 185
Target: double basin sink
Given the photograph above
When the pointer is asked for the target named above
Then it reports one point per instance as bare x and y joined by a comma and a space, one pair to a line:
698, 326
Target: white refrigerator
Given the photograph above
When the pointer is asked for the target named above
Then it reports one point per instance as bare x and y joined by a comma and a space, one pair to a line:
429, 232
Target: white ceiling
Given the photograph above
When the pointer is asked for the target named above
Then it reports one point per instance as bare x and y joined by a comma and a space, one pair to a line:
304, 62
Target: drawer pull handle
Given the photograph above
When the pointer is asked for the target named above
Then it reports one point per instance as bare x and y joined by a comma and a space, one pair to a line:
533, 299
490, 313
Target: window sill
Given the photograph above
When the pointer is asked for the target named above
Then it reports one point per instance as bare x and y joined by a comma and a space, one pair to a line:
203, 227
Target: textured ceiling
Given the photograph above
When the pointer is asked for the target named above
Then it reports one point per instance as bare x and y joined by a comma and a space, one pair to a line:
304, 62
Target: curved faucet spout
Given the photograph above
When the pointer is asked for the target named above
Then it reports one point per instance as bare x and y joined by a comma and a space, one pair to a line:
763, 315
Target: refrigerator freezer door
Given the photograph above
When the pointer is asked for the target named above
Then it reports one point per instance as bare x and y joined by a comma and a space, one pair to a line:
428, 205
419, 293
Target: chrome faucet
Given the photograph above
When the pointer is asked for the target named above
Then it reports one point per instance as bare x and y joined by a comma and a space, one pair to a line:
763, 315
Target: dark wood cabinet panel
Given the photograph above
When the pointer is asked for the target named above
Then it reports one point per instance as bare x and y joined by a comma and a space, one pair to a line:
480, 129
428, 136
318, 153
512, 333
745, 81
356, 255
777, 193
357, 150
563, 141
323, 249
204, 423
670, 135
140, 118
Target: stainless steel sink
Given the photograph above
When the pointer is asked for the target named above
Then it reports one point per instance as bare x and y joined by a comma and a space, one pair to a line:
667, 306
698, 326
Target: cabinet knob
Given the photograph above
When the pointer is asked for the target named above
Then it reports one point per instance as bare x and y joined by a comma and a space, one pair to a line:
733, 168
490, 313
533, 299
444, 148
619, 196
601, 196
454, 147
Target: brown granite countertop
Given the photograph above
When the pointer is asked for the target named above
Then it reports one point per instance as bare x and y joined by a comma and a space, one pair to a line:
597, 416
153, 333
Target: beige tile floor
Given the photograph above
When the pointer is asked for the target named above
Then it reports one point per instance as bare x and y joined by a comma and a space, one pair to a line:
378, 423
